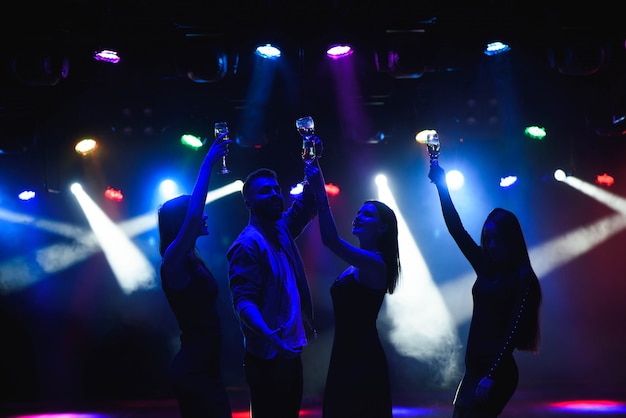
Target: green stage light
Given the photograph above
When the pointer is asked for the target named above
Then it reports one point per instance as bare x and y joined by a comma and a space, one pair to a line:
192, 141
535, 132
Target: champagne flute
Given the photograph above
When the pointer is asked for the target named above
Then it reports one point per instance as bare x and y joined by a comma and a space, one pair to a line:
220, 128
430, 137
306, 128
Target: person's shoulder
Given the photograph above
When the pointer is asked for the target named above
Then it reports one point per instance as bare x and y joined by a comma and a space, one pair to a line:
247, 238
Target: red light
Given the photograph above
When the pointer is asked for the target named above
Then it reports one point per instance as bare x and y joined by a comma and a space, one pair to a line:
605, 179
113, 194
332, 189
593, 406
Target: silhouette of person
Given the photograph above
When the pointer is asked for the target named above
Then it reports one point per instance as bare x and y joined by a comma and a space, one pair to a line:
507, 299
357, 383
270, 295
192, 291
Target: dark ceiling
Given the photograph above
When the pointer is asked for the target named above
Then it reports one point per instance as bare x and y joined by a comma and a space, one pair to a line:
567, 70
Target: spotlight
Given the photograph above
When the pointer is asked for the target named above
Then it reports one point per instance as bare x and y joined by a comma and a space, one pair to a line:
508, 181
113, 194
455, 179
168, 189
559, 175
27, 195
268, 51
339, 51
495, 48
332, 189
296, 190
86, 146
605, 179
107, 55
192, 141
535, 132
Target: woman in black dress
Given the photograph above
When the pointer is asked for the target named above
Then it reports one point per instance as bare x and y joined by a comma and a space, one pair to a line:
507, 298
357, 383
191, 291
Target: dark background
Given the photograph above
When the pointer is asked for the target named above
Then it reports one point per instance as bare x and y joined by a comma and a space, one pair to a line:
73, 335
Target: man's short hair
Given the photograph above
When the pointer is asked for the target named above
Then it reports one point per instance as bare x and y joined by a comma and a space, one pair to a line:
259, 173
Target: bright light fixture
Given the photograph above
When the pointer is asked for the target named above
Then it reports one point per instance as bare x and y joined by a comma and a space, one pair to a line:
339, 51
86, 146
268, 51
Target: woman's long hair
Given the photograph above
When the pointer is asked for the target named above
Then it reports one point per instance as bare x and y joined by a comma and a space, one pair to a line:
510, 234
171, 218
388, 244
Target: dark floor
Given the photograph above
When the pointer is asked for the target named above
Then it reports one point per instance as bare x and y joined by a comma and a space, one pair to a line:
526, 403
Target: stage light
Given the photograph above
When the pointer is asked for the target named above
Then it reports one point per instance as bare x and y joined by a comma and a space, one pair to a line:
113, 194
168, 189
296, 190
234, 187
192, 141
455, 179
86, 146
77, 244
339, 51
332, 189
559, 175
27, 195
495, 48
130, 266
605, 179
107, 55
268, 51
535, 132
508, 181
589, 406
417, 298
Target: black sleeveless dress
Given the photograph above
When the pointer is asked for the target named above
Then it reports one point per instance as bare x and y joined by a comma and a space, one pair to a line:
357, 384
195, 370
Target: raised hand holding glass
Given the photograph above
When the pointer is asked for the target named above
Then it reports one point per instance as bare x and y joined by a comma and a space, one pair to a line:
220, 128
306, 129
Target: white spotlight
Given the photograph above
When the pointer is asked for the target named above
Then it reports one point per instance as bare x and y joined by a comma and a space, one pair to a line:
168, 189
508, 181
130, 266
421, 325
455, 179
559, 175
231, 188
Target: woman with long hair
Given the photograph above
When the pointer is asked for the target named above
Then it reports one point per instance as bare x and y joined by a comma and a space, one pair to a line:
357, 383
507, 298
191, 291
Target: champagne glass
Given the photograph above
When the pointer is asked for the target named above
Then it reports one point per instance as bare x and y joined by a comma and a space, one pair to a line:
306, 128
430, 137
220, 128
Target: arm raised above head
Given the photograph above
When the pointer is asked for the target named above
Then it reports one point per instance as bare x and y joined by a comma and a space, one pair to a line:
364, 260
